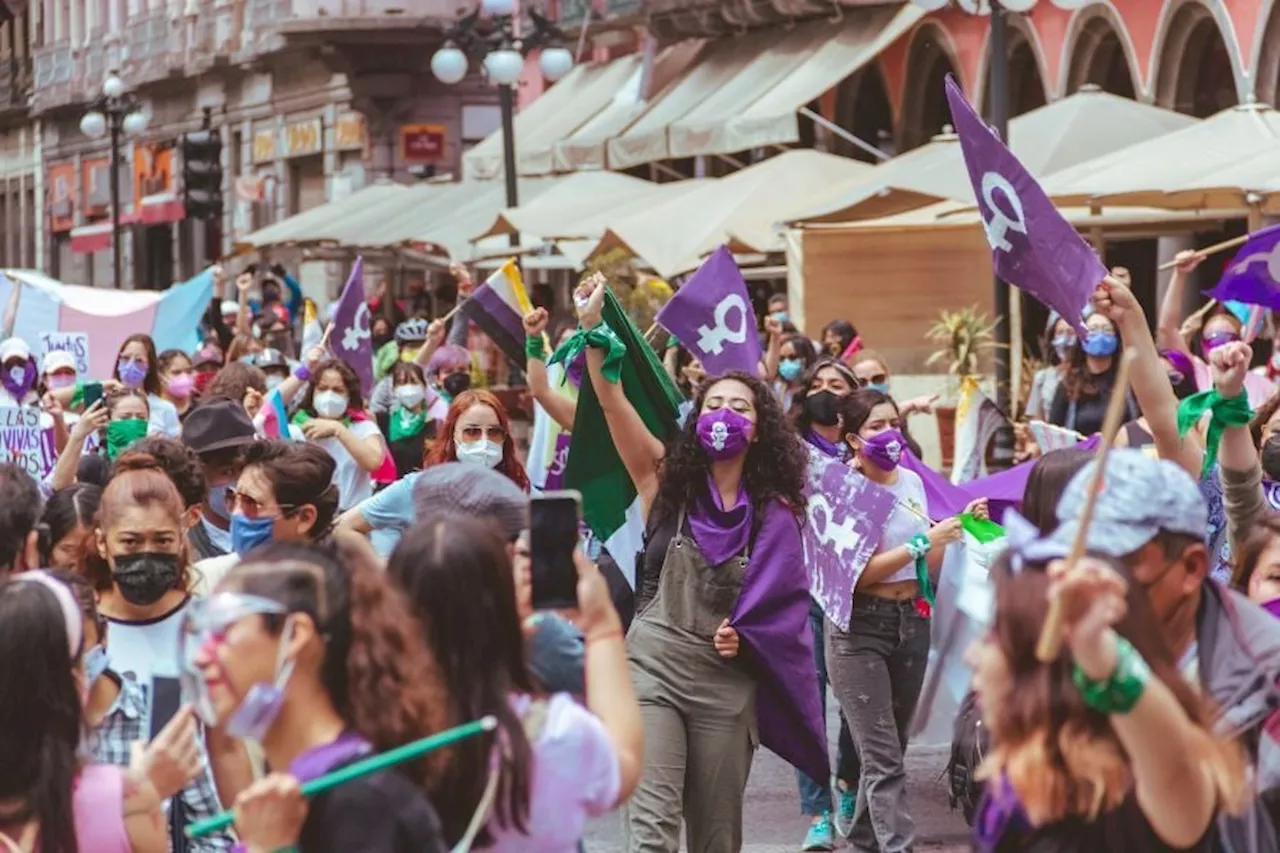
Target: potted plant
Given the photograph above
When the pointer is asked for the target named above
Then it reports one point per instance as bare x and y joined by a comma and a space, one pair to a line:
963, 337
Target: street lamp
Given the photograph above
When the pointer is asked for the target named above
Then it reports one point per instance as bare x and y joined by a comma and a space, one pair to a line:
998, 118
501, 53
115, 112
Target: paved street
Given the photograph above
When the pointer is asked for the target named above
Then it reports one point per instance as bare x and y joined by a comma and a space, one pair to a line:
774, 824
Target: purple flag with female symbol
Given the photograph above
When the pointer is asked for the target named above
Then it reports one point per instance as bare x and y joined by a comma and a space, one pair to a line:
1032, 245
847, 514
711, 316
1253, 276
349, 338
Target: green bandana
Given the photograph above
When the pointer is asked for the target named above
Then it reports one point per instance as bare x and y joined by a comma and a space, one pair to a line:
1233, 412
121, 435
601, 337
406, 424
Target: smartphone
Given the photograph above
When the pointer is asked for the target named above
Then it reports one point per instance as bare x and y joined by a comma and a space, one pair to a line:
166, 699
554, 521
92, 393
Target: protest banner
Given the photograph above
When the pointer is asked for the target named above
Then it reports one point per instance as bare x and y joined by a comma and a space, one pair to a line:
712, 317
75, 343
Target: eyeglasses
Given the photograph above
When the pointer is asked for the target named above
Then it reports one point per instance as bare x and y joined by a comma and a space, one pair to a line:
251, 507
472, 434
877, 379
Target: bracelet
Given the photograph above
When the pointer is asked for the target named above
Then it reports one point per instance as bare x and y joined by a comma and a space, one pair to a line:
615, 634
302, 373
1122, 689
535, 348
918, 546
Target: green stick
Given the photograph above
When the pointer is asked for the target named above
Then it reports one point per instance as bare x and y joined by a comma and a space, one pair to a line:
361, 768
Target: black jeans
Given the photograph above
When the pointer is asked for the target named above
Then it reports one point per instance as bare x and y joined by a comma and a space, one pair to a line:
877, 670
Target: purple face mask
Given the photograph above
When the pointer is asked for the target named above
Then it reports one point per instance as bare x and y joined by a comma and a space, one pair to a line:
19, 378
724, 433
885, 449
132, 373
1217, 339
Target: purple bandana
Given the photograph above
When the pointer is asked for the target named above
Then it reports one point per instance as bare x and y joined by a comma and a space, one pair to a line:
999, 813
18, 380
576, 368
720, 533
829, 448
1180, 362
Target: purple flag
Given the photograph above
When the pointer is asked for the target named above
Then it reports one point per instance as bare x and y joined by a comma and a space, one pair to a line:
1253, 276
847, 513
1032, 245
711, 316
349, 339
771, 617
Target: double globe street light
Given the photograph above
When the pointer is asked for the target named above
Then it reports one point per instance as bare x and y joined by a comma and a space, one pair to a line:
502, 53
997, 109
116, 112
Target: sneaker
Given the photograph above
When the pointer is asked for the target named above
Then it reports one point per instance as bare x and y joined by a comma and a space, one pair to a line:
820, 835
845, 809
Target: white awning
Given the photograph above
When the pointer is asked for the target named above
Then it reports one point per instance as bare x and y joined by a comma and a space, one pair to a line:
744, 91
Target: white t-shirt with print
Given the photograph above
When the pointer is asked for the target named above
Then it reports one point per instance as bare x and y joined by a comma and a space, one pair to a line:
142, 650
354, 483
164, 418
903, 523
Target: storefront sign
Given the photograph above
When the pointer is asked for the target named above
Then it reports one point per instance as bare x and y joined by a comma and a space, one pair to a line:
422, 143
152, 170
303, 138
264, 146
62, 197
349, 135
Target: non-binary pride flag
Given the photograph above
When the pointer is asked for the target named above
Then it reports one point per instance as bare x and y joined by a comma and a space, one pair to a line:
977, 419
1032, 245
498, 307
711, 316
172, 317
1253, 276
610, 504
350, 339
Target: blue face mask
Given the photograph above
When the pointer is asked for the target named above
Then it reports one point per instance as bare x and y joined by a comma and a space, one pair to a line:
882, 387
248, 533
215, 501
780, 316
96, 662
790, 369
1100, 344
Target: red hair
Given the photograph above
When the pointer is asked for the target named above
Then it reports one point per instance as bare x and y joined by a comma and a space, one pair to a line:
445, 450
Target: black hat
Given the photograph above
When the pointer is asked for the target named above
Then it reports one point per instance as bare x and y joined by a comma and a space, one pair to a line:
218, 423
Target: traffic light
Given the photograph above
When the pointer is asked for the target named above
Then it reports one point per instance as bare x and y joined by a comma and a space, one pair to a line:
202, 174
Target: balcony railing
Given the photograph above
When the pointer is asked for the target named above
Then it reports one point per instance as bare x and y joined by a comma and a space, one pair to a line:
53, 69
573, 12
15, 85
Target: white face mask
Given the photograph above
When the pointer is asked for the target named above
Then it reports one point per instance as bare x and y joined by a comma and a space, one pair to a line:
273, 382
410, 396
483, 452
330, 404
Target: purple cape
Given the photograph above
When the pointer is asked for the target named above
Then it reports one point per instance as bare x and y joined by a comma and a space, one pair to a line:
772, 621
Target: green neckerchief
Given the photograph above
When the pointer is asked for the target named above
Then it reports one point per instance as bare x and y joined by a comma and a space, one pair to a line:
300, 417
1227, 412
121, 435
601, 337
410, 427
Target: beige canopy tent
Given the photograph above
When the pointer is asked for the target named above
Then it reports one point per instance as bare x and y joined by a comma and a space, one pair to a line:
744, 91
568, 105
1157, 172
304, 228
560, 212
673, 236
1075, 129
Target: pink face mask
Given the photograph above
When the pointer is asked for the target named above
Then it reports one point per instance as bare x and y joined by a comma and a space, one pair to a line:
181, 385
60, 380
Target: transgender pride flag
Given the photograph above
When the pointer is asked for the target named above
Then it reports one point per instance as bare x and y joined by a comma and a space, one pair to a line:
108, 316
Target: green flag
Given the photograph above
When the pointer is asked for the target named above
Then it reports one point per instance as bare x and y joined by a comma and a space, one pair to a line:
610, 503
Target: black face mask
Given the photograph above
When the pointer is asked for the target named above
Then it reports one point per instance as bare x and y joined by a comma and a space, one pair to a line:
455, 383
380, 341
144, 578
822, 408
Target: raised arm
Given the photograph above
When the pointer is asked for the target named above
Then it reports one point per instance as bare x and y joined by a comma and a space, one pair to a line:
640, 450
1240, 466
773, 354
561, 409
11, 311
1169, 322
68, 464
243, 284
435, 339
1148, 377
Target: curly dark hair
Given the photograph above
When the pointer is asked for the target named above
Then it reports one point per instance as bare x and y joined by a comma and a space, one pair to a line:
350, 381
173, 459
775, 465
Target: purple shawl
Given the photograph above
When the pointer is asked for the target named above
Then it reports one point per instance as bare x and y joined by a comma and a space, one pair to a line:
772, 621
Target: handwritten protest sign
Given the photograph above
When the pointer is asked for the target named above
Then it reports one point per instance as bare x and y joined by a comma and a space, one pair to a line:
847, 513
76, 343
24, 442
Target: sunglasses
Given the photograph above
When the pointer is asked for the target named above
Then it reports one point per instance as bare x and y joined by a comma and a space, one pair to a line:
876, 379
